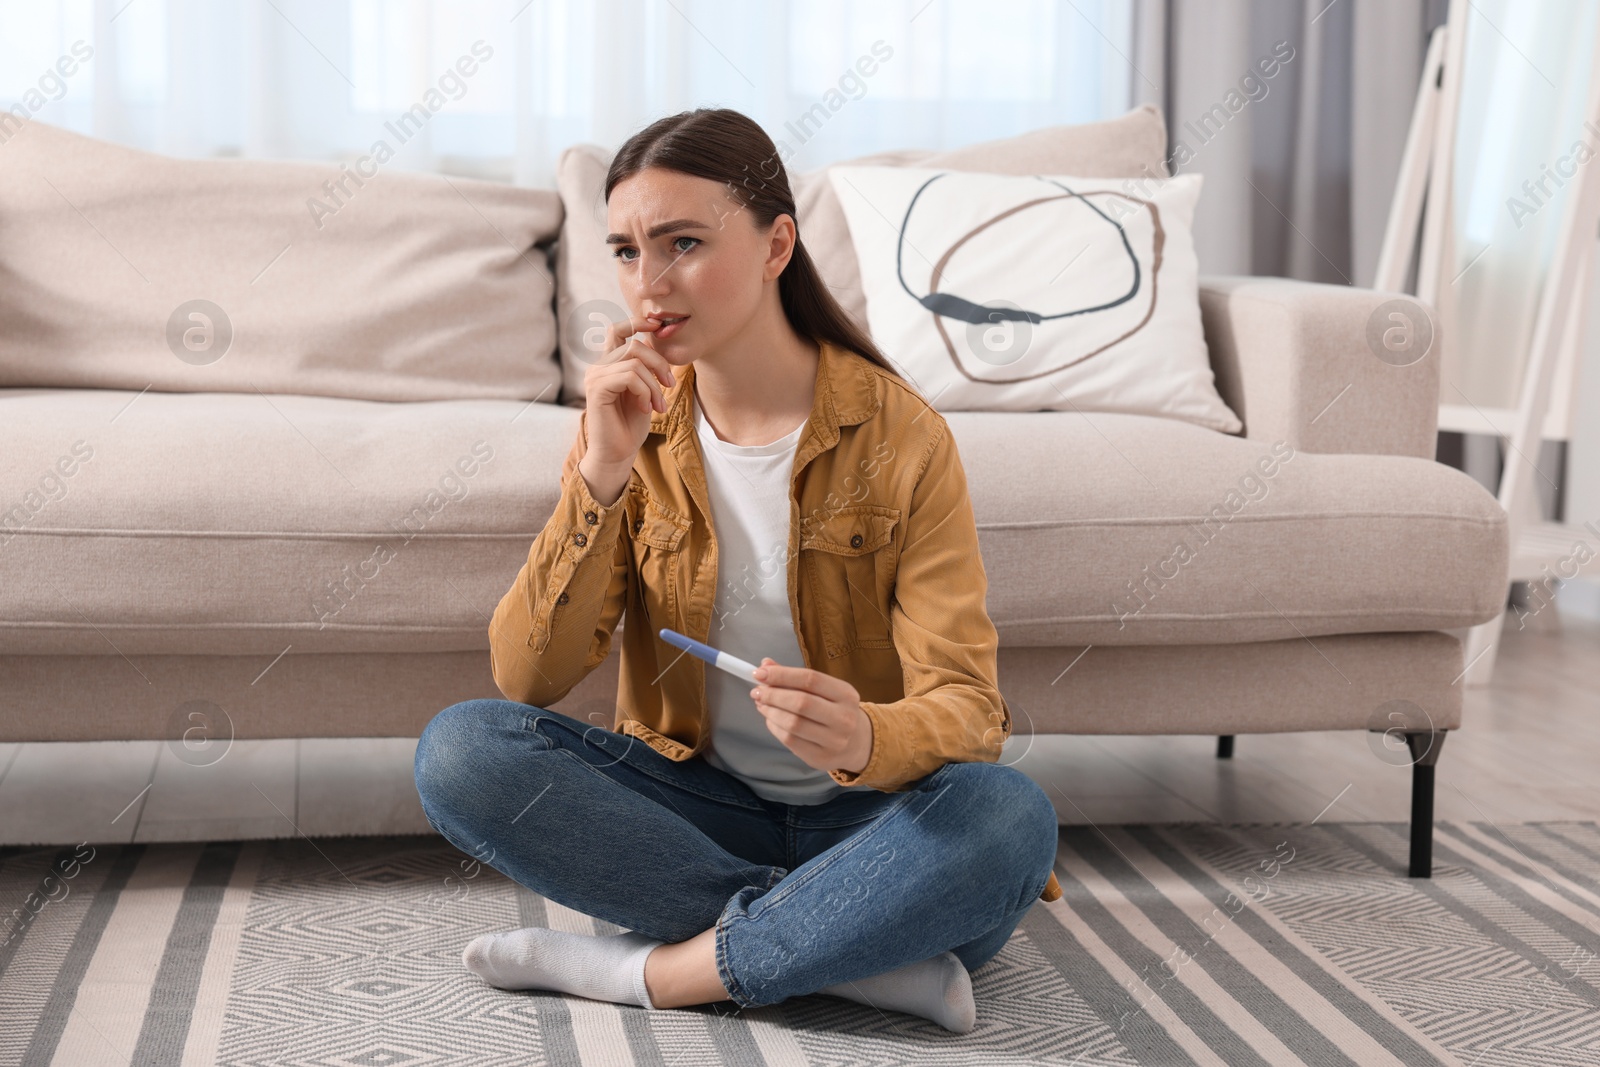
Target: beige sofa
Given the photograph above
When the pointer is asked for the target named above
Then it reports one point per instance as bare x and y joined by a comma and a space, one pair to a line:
303, 538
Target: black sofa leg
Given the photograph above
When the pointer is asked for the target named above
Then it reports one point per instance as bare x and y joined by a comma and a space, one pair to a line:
1225, 746
1424, 746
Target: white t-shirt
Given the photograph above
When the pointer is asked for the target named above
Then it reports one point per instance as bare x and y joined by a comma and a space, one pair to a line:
751, 618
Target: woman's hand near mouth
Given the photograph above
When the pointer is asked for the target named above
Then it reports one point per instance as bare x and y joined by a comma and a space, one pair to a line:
622, 392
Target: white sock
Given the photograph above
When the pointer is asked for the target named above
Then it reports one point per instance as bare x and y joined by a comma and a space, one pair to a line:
607, 967
937, 988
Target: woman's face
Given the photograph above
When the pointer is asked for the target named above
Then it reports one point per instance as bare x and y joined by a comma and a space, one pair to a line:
685, 246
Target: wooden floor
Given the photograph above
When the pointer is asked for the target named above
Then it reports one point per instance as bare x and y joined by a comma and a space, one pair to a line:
1529, 750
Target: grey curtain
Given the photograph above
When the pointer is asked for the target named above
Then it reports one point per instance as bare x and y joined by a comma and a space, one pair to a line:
1300, 165
1298, 179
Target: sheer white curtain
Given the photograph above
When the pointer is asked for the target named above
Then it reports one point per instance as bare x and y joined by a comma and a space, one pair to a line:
498, 88
1520, 141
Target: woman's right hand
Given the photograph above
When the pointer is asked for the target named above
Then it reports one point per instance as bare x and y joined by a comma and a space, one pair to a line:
621, 393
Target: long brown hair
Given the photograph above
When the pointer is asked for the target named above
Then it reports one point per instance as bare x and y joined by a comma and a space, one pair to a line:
727, 146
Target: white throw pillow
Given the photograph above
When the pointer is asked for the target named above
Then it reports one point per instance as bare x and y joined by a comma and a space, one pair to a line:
993, 292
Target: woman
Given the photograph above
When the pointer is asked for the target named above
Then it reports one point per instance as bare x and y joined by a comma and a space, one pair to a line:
750, 471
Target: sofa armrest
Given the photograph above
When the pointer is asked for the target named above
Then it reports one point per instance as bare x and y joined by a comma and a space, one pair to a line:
1292, 360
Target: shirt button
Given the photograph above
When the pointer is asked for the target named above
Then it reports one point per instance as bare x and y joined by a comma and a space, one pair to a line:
580, 539
562, 599
590, 518
855, 540
638, 524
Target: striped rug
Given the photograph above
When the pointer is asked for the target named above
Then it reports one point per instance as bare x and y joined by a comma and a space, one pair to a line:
1174, 944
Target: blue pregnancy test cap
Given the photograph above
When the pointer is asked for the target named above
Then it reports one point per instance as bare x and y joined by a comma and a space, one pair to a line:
724, 661
689, 644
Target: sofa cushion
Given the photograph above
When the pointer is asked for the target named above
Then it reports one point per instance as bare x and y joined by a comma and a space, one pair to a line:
587, 294
1131, 145
1107, 278
155, 522
1119, 529
122, 269
228, 523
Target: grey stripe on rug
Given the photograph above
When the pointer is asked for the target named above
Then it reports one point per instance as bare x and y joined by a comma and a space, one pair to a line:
1193, 943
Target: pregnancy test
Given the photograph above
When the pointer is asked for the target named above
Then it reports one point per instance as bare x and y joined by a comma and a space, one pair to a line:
732, 664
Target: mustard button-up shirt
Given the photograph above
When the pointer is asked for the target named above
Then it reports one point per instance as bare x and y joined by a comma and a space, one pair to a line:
886, 584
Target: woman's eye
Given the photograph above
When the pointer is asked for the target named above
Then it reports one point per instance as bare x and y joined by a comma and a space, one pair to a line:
629, 248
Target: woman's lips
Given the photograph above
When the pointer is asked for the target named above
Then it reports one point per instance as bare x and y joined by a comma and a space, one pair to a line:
671, 328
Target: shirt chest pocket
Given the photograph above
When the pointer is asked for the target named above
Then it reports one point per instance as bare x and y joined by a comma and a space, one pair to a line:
656, 535
847, 556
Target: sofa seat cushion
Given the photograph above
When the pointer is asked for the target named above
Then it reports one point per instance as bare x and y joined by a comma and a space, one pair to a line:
1121, 529
248, 523
227, 523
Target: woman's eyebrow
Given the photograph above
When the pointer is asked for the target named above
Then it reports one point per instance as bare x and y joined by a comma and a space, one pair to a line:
656, 231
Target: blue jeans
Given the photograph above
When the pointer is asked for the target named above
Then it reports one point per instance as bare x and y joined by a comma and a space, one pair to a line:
802, 896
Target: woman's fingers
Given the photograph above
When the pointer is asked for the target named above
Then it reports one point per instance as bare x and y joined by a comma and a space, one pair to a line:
641, 374
622, 345
797, 725
801, 704
631, 375
807, 680
617, 332
657, 363
635, 384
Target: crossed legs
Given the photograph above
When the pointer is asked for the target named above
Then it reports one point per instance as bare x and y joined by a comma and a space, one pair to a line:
603, 824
